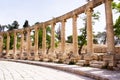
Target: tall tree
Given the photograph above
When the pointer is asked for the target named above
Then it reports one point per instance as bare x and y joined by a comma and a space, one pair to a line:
82, 37
12, 26
26, 24
102, 37
116, 8
58, 33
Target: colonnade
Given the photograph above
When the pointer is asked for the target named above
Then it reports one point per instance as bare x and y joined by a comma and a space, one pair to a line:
87, 9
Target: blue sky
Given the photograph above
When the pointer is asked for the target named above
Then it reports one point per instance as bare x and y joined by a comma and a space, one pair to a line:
43, 10
35, 10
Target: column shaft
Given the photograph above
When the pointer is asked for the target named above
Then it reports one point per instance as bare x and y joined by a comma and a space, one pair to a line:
110, 57
75, 36
63, 38
44, 41
109, 27
15, 47
1, 45
36, 56
89, 31
8, 44
22, 45
28, 44
52, 37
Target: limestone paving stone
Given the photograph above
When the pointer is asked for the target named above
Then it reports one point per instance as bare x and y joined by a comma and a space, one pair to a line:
96, 73
20, 71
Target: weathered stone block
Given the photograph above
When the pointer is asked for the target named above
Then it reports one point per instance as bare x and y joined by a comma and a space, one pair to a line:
108, 57
87, 57
82, 62
118, 65
98, 64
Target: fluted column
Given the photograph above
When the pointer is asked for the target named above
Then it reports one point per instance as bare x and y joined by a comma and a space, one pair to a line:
109, 27
28, 44
15, 47
89, 31
36, 56
75, 36
44, 41
63, 39
8, 44
1, 45
22, 45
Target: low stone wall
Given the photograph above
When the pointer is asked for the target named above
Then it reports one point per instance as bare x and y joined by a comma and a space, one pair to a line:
104, 50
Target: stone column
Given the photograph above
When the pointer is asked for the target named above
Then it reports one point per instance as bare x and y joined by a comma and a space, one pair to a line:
8, 44
52, 50
109, 27
14, 46
22, 45
75, 37
1, 45
110, 34
44, 41
63, 39
36, 56
28, 44
89, 31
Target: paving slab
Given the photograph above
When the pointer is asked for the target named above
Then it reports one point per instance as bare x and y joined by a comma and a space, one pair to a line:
19, 71
95, 73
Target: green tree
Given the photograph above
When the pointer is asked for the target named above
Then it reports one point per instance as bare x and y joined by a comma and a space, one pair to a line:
69, 39
26, 24
58, 33
116, 8
12, 26
48, 38
82, 37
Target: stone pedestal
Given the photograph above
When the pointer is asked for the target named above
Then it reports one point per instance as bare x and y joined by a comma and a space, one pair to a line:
109, 59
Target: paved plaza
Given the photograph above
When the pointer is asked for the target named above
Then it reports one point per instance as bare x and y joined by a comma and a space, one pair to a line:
96, 73
20, 71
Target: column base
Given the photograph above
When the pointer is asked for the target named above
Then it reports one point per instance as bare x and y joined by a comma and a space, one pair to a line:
36, 58
52, 56
110, 60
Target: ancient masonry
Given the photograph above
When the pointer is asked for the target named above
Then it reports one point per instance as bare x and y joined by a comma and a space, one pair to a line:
108, 59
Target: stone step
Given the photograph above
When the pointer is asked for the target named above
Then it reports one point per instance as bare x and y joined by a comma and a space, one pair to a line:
118, 65
118, 62
82, 62
116, 68
56, 60
66, 61
98, 64
45, 60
